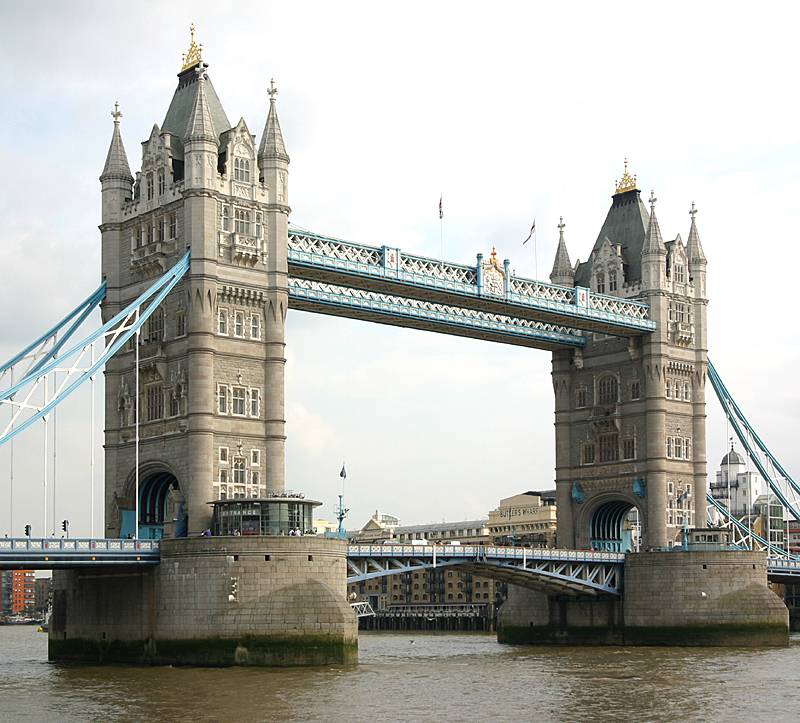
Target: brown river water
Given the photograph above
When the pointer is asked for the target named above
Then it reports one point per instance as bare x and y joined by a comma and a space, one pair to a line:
416, 677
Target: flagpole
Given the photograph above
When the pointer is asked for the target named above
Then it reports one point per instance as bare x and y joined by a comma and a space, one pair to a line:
535, 254
441, 229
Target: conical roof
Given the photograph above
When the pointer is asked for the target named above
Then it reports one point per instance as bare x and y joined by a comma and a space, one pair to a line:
694, 249
272, 145
199, 126
561, 265
117, 160
653, 243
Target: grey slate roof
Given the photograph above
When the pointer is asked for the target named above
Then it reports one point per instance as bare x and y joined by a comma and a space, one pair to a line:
626, 224
183, 102
562, 266
116, 161
733, 457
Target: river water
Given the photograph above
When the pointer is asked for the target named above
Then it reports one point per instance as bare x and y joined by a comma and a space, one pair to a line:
415, 677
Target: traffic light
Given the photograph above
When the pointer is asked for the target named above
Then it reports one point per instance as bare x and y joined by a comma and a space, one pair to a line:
27, 530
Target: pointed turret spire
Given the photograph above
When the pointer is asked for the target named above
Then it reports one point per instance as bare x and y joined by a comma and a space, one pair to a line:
200, 127
272, 141
116, 161
562, 272
694, 249
653, 243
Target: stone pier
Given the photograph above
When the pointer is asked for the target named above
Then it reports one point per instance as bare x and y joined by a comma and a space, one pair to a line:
214, 601
670, 598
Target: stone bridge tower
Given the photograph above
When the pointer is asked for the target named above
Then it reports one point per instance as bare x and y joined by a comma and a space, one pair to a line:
211, 359
630, 414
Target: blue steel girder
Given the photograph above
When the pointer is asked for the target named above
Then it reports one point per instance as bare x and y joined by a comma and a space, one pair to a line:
570, 571
315, 296
387, 270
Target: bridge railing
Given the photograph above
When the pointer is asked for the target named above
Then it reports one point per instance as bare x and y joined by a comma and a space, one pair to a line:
79, 545
482, 551
310, 249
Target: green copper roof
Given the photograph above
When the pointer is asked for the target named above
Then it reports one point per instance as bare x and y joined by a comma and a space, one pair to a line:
626, 224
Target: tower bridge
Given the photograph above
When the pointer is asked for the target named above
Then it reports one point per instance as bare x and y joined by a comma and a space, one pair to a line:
199, 269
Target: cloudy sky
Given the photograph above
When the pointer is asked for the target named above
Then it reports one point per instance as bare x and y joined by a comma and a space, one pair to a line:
511, 110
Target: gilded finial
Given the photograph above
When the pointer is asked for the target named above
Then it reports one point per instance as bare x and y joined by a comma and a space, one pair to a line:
272, 91
116, 114
627, 182
194, 55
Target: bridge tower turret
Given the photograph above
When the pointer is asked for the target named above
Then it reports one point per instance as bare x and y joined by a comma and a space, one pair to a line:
273, 164
630, 413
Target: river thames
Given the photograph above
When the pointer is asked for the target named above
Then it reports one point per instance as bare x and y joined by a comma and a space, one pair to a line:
415, 677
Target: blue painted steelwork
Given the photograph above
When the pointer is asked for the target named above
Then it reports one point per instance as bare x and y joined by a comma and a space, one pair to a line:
773, 550
120, 333
575, 571
326, 298
54, 554
743, 428
77, 316
385, 269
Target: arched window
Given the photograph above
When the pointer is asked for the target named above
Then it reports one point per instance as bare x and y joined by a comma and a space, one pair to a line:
243, 222
600, 282
607, 390
155, 326
241, 169
612, 280
161, 182
239, 471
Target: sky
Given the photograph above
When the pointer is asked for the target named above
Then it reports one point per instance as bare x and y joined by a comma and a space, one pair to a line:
510, 111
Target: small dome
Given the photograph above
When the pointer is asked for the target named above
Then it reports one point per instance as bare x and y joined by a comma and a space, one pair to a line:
732, 458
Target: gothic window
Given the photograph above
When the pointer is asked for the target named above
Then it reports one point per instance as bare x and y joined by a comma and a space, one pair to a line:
226, 218
609, 447
679, 274
149, 232
255, 403
635, 390
607, 390
612, 280
180, 323
600, 282
255, 457
687, 392
239, 471
629, 448
242, 222
669, 447
223, 455
223, 479
258, 225
173, 226
155, 327
670, 488
241, 169
154, 402
255, 326
135, 236
159, 225
222, 399
668, 388
238, 324
238, 401
174, 403
161, 183
222, 322
149, 186
588, 453
581, 397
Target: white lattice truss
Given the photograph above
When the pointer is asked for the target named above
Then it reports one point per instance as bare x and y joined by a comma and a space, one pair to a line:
335, 253
428, 311
592, 573
362, 609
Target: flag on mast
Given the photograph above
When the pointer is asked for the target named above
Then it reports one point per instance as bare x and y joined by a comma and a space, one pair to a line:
441, 213
343, 473
533, 228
